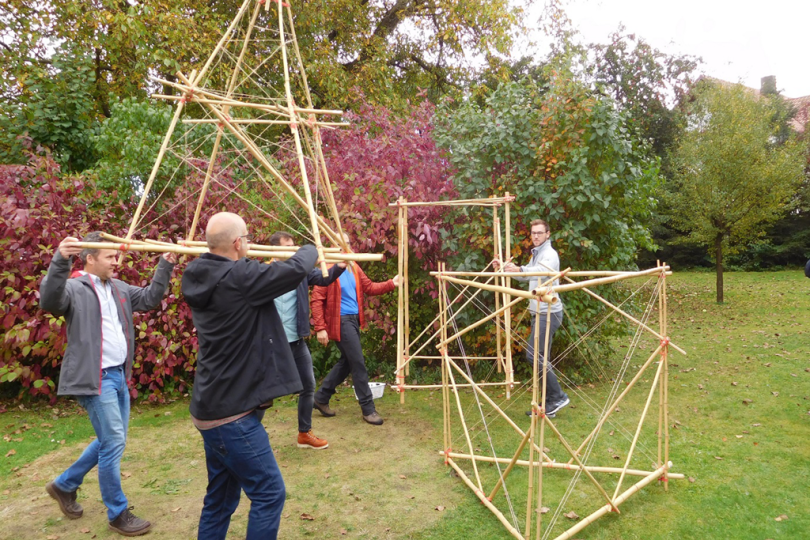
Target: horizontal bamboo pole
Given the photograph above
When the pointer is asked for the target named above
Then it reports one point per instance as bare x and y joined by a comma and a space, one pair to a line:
605, 280
262, 121
434, 386
476, 324
458, 202
561, 466
420, 357
545, 273
183, 250
235, 102
497, 288
487, 502
605, 509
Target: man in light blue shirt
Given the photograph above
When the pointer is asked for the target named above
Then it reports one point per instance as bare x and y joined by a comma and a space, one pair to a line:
544, 259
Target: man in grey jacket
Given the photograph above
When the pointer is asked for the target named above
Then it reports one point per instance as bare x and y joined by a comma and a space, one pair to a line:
97, 365
544, 259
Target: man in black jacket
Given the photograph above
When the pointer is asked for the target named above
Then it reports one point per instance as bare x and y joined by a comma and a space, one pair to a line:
243, 362
293, 308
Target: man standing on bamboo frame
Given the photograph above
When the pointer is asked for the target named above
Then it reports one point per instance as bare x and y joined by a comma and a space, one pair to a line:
337, 311
544, 259
243, 362
293, 308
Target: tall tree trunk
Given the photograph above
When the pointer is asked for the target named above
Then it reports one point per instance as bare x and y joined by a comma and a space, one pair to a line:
718, 256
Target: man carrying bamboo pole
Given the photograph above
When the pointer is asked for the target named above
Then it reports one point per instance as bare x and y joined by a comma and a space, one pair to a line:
337, 311
244, 361
97, 365
544, 259
293, 308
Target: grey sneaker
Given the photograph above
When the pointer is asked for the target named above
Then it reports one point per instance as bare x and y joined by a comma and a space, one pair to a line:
554, 409
129, 524
373, 418
67, 501
324, 409
550, 415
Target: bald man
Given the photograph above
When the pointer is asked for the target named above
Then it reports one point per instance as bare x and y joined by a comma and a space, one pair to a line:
243, 362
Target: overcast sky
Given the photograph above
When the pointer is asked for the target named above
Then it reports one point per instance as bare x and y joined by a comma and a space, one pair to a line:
738, 40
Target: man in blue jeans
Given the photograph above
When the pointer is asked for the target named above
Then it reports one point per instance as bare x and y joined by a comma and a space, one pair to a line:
244, 361
97, 365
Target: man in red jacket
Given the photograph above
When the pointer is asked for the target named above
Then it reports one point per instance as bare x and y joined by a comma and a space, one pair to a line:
337, 311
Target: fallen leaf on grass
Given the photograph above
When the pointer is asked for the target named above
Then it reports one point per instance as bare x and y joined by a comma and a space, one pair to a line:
11, 452
755, 425
747, 401
734, 383
403, 477
700, 387
176, 509
52, 537
691, 480
307, 517
571, 515
545, 509
85, 530
718, 457
739, 436
126, 474
344, 532
783, 517
440, 508
775, 394
767, 365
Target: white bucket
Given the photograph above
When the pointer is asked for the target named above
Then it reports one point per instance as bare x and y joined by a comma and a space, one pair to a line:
377, 389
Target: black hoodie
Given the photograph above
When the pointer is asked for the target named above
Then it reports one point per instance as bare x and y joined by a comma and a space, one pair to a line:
243, 358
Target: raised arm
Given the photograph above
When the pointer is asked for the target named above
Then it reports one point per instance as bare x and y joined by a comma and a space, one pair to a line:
53, 296
261, 283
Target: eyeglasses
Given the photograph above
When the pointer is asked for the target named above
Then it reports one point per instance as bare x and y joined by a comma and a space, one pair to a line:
539, 233
248, 238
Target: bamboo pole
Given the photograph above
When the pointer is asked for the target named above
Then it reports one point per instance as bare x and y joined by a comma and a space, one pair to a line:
553, 465
192, 250
607, 508
603, 281
491, 201
546, 352
445, 366
494, 288
545, 273
252, 121
638, 429
507, 298
612, 407
496, 249
478, 323
260, 247
661, 326
313, 218
435, 386
665, 376
463, 421
492, 508
400, 308
406, 279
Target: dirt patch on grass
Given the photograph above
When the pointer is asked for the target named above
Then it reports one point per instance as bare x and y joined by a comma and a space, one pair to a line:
372, 482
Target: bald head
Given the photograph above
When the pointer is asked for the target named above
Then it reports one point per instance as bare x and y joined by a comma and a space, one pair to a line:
222, 231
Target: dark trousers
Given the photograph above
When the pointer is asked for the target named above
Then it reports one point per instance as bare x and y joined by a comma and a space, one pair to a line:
303, 361
554, 394
351, 361
239, 457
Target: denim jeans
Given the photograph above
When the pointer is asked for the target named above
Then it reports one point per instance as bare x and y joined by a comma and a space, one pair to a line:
351, 361
239, 457
303, 361
554, 394
109, 414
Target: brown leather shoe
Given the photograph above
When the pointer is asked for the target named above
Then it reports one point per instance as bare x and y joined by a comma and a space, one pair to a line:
324, 409
309, 440
67, 501
373, 418
129, 524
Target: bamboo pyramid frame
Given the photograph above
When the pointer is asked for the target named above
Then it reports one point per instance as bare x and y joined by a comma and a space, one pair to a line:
245, 104
456, 381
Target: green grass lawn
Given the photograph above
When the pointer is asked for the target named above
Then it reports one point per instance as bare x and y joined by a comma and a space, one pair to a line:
739, 412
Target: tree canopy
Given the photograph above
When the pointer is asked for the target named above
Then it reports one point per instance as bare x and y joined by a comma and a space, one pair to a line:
733, 175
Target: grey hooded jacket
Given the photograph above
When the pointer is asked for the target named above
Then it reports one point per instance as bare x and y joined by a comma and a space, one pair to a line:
77, 300
544, 259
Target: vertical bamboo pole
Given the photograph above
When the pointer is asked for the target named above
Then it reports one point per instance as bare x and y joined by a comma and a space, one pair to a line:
400, 305
665, 377
660, 432
546, 353
407, 291
507, 316
533, 424
496, 251
220, 130
294, 121
445, 366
